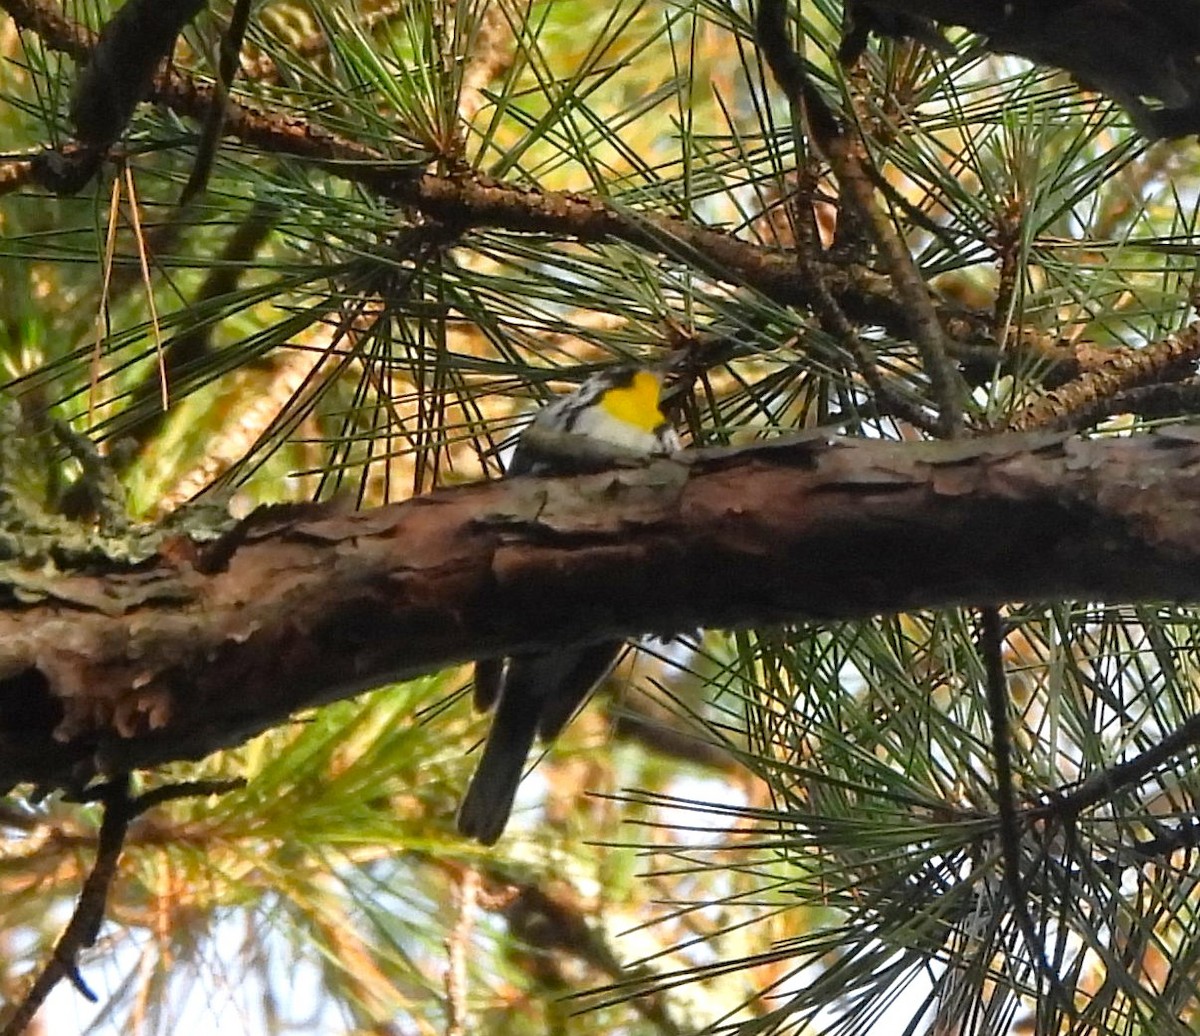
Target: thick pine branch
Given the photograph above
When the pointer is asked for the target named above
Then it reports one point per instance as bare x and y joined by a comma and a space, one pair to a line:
305, 604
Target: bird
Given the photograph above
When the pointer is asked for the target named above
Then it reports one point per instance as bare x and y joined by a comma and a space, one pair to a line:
615, 414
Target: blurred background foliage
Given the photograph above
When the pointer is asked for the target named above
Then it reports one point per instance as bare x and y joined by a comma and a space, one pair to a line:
794, 828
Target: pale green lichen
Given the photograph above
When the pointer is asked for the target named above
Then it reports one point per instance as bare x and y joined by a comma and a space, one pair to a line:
51, 527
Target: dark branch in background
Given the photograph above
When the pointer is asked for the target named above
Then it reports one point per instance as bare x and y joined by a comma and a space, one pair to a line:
1103, 785
1156, 402
831, 140
230, 52
1161, 847
1127, 49
182, 790
1009, 822
860, 18
118, 68
116, 77
84, 927
121, 66
643, 719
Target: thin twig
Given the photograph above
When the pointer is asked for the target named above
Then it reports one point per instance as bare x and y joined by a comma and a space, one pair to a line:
991, 645
1104, 784
458, 944
231, 49
81, 932
84, 926
188, 790
1162, 846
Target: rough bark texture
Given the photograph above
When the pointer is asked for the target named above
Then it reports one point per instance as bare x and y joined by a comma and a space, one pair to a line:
199, 649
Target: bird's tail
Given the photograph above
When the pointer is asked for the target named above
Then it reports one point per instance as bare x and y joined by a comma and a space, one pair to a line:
489, 798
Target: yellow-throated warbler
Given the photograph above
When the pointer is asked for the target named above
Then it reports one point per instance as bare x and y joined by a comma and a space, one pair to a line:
614, 414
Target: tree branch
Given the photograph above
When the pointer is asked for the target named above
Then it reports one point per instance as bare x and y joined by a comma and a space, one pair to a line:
1088, 398
469, 199
128, 666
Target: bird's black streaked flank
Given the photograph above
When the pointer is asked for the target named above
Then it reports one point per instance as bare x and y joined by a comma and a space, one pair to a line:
613, 415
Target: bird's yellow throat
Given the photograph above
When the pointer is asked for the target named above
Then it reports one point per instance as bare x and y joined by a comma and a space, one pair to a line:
637, 402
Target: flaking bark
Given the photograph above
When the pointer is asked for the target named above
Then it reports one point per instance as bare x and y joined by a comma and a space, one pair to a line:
200, 648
